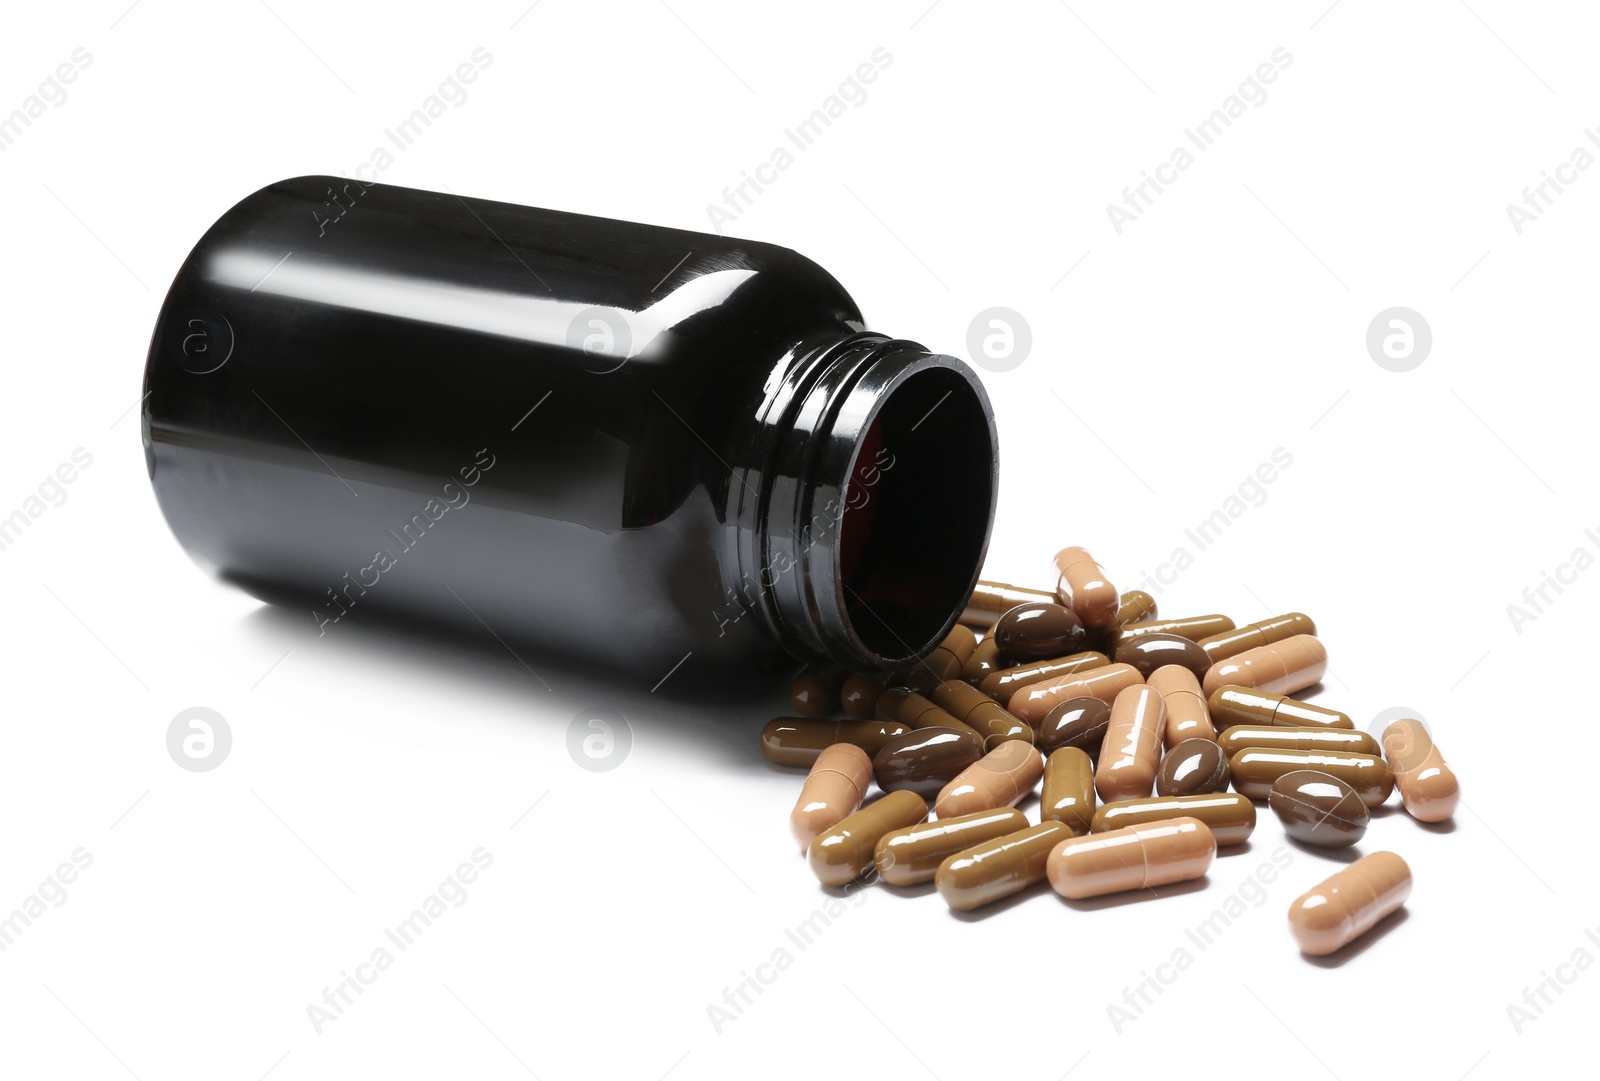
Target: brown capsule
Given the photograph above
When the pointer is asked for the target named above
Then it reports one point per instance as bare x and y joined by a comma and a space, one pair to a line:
1068, 792
1131, 751
1148, 652
1084, 588
977, 710
916, 711
1194, 767
1281, 668
1135, 606
912, 855
798, 741
858, 695
1254, 771
991, 599
1231, 704
1077, 722
924, 760
1350, 903
1031, 703
1194, 628
1243, 736
998, 867
1318, 809
833, 791
1003, 684
1230, 816
984, 661
1188, 716
1137, 857
1428, 787
1228, 643
815, 692
843, 853
1037, 631
943, 662
998, 779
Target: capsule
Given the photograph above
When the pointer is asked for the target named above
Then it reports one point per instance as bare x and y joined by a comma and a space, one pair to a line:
1428, 787
998, 779
1031, 703
1318, 809
1232, 705
1254, 770
1084, 588
1281, 668
815, 691
991, 599
1228, 643
924, 760
1068, 793
858, 695
1142, 856
977, 710
999, 867
1230, 817
912, 855
1037, 631
1194, 628
915, 711
1243, 736
984, 661
1003, 684
1147, 652
1135, 606
943, 662
1188, 715
1077, 722
842, 853
1131, 752
1191, 768
798, 741
833, 791
1350, 903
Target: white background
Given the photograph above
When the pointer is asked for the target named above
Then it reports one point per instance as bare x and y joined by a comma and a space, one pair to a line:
1167, 363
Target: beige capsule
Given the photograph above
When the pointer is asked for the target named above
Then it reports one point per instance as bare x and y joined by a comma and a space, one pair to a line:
1130, 755
1273, 738
833, 791
1255, 769
912, 855
1280, 668
1084, 588
1188, 716
843, 852
972, 707
1230, 816
1068, 793
1135, 857
1428, 786
1348, 904
998, 779
999, 867
1033, 702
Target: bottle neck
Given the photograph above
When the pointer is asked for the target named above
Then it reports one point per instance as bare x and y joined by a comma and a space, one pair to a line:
861, 513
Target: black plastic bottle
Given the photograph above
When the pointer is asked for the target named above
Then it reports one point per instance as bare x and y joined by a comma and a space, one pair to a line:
609, 440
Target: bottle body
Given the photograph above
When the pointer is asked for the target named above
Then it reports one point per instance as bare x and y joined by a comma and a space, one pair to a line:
608, 440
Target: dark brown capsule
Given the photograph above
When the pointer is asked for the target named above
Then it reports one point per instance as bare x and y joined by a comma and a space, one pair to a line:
984, 660
1318, 809
924, 760
1136, 606
1003, 684
1147, 652
1077, 722
815, 692
1036, 631
797, 741
858, 695
1193, 767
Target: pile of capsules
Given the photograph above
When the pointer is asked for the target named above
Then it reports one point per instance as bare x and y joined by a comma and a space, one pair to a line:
1087, 691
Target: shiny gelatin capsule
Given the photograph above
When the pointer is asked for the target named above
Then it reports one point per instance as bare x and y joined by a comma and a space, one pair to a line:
841, 854
917, 711
815, 692
833, 791
1281, 668
797, 741
1135, 857
1001, 685
1068, 792
998, 779
912, 855
1031, 703
1188, 715
858, 695
1254, 771
1131, 752
977, 710
1232, 704
1244, 736
1077, 722
1230, 816
984, 660
999, 867
924, 760
1147, 652
1194, 628
1084, 588
1350, 903
991, 599
1428, 787
1192, 768
943, 662
1037, 631
1227, 643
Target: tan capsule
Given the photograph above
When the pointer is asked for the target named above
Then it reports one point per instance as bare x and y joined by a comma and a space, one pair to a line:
1001, 685
843, 852
943, 662
912, 855
999, 867
1135, 606
992, 599
1255, 769
797, 741
972, 707
1031, 703
1194, 628
1084, 588
916, 711
1130, 755
1227, 643
833, 791
1188, 716
998, 779
1230, 816
1281, 668
815, 692
1244, 736
1143, 856
1068, 793
858, 695
1348, 904
984, 661
1231, 704
1428, 787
